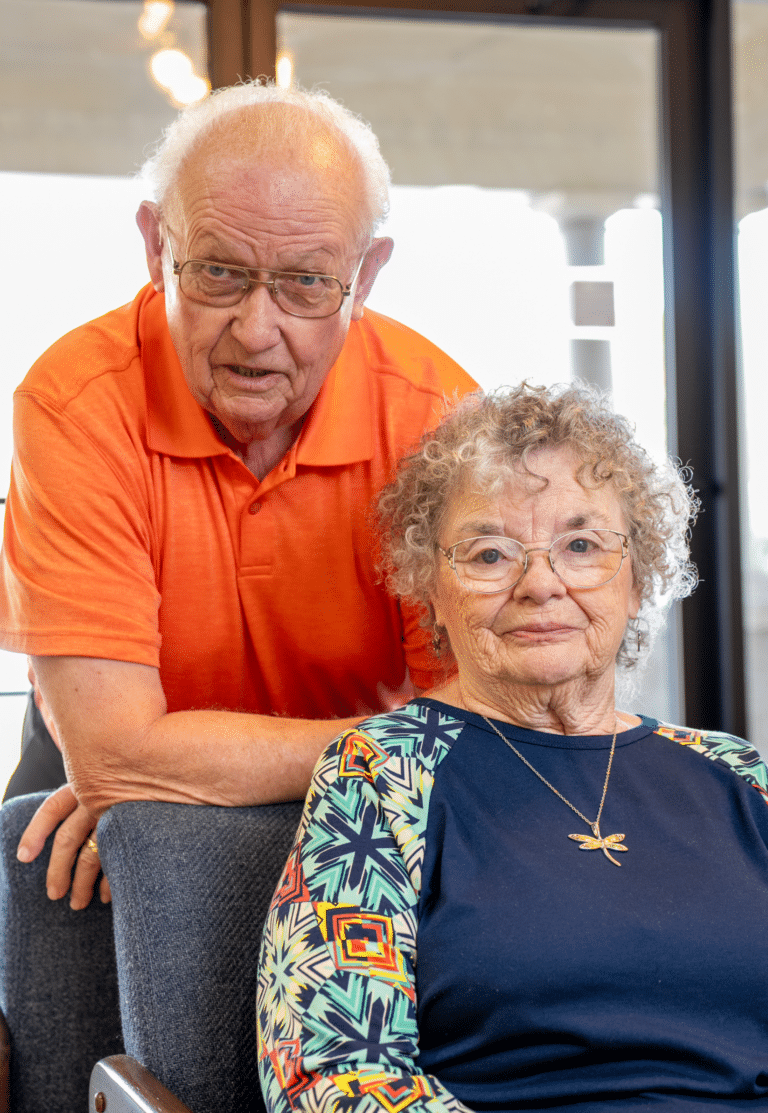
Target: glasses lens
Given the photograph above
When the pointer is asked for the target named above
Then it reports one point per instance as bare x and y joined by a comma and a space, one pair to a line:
308, 295
587, 558
488, 564
212, 284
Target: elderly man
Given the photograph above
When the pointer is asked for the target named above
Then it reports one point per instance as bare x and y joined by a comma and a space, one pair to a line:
187, 555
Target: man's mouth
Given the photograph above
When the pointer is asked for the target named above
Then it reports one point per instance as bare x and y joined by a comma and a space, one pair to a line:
248, 372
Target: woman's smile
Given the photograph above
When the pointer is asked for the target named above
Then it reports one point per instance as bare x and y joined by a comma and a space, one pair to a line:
542, 632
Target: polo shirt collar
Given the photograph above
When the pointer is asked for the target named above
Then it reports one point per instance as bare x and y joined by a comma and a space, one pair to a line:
177, 425
337, 429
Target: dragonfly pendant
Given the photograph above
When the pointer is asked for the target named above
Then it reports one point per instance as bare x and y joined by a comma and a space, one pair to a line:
597, 842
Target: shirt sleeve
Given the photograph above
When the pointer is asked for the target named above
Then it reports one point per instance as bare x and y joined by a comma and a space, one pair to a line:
77, 571
337, 997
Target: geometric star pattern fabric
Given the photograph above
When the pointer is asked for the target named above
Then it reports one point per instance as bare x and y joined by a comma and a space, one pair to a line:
337, 1007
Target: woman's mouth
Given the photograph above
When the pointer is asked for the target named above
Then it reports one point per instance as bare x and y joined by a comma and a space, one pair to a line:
541, 633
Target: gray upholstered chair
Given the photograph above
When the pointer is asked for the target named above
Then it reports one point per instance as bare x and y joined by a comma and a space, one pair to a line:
5, 1065
191, 887
58, 979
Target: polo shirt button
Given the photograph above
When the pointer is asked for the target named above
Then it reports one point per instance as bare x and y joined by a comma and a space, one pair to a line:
254, 508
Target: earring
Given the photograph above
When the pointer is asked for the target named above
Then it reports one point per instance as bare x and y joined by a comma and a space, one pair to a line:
437, 639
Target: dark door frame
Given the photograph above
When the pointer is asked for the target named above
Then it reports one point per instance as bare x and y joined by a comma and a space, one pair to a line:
697, 206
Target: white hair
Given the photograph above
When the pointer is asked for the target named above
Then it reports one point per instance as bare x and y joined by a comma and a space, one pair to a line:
301, 115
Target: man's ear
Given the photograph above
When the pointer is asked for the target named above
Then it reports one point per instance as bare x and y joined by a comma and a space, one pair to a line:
148, 220
374, 259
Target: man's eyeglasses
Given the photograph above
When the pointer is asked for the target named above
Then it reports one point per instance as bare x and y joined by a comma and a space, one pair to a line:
583, 559
298, 293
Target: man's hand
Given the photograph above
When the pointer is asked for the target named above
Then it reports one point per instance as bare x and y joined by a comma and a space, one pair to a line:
73, 848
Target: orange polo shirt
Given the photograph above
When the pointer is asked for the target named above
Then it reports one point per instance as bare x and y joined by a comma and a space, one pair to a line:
132, 533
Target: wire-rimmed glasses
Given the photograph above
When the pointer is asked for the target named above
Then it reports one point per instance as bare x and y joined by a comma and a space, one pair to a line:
583, 558
299, 293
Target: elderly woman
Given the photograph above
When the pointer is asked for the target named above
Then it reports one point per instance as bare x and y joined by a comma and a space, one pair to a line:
452, 930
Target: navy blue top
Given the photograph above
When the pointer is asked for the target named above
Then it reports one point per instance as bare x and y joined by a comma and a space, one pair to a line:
549, 978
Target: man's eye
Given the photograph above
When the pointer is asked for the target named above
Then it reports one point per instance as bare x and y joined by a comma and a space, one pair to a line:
213, 270
308, 280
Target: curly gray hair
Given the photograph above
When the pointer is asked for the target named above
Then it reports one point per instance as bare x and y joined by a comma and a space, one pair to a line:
276, 117
482, 439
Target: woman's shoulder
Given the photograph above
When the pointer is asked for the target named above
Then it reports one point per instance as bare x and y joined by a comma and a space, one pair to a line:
421, 726
420, 732
387, 766
716, 745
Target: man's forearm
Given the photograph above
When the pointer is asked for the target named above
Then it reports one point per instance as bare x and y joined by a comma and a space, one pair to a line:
120, 742
206, 757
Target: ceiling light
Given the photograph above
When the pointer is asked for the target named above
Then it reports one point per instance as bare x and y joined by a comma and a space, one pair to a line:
284, 69
154, 17
172, 70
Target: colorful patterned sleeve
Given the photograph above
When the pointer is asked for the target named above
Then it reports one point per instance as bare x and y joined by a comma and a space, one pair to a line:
336, 997
734, 752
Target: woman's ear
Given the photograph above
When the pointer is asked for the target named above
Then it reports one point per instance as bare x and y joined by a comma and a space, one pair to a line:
634, 601
148, 220
435, 613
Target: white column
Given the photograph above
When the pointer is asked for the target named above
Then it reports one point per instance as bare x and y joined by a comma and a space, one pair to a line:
591, 302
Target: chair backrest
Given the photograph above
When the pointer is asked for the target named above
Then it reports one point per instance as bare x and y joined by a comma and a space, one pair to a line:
191, 887
58, 980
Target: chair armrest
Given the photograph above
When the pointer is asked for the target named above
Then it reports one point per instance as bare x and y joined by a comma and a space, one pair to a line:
121, 1085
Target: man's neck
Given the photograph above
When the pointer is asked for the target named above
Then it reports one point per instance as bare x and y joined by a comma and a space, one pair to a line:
260, 456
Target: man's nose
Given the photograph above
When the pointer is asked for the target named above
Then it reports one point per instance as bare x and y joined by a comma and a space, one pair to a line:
256, 319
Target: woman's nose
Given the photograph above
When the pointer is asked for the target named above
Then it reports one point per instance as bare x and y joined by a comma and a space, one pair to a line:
539, 581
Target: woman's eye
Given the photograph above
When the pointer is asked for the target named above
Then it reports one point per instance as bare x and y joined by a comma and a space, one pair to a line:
490, 556
580, 545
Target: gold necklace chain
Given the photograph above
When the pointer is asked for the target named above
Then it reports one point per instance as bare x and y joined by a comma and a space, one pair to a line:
597, 842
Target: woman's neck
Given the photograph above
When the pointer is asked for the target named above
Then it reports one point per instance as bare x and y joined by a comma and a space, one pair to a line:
575, 708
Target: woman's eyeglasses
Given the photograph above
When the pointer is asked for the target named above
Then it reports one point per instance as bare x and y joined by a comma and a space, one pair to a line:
583, 559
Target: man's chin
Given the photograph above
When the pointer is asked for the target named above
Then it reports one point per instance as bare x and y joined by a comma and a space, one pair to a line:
248, 426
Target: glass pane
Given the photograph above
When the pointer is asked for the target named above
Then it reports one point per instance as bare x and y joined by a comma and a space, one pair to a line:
750, 66
75, 80
525, 205
80, 112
